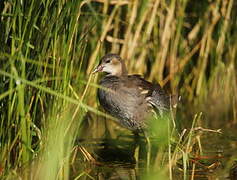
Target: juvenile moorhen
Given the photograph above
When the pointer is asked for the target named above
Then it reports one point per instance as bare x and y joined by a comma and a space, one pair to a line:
129, 98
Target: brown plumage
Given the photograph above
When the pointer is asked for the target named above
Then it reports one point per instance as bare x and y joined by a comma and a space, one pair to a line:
129, 98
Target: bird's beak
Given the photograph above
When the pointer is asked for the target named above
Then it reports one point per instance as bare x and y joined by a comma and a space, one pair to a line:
99, 68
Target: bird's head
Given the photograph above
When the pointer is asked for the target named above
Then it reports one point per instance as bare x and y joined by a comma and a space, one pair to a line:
111, 64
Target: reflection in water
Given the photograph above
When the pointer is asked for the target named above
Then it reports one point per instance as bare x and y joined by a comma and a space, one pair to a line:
233, 171
116, 151
116, 162
119, 154
114, 159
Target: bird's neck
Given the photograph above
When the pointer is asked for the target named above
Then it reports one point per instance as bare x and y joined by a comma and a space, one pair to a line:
120, 71
124, 71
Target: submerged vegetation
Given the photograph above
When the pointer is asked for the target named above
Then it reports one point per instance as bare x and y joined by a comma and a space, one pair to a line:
48, 50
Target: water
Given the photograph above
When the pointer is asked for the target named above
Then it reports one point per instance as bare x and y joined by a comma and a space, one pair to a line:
119, 154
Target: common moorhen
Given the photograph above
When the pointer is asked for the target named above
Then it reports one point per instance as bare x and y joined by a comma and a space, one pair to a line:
129, 98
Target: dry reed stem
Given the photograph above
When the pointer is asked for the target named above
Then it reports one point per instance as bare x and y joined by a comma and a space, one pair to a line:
205, 51
159, 65
114, 2
226, 24
128, 35
141, 62
101, 40
182, 62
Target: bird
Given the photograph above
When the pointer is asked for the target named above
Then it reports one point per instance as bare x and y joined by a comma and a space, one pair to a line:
131, 99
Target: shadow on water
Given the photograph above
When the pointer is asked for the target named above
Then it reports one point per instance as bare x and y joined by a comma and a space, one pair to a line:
118, 154
111, 161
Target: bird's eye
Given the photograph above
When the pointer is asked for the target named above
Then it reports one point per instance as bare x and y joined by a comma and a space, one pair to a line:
107, 61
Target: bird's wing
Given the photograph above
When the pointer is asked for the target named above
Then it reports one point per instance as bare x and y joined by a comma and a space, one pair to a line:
155, 95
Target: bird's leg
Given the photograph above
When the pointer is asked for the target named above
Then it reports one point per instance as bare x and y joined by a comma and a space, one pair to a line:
148, 149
